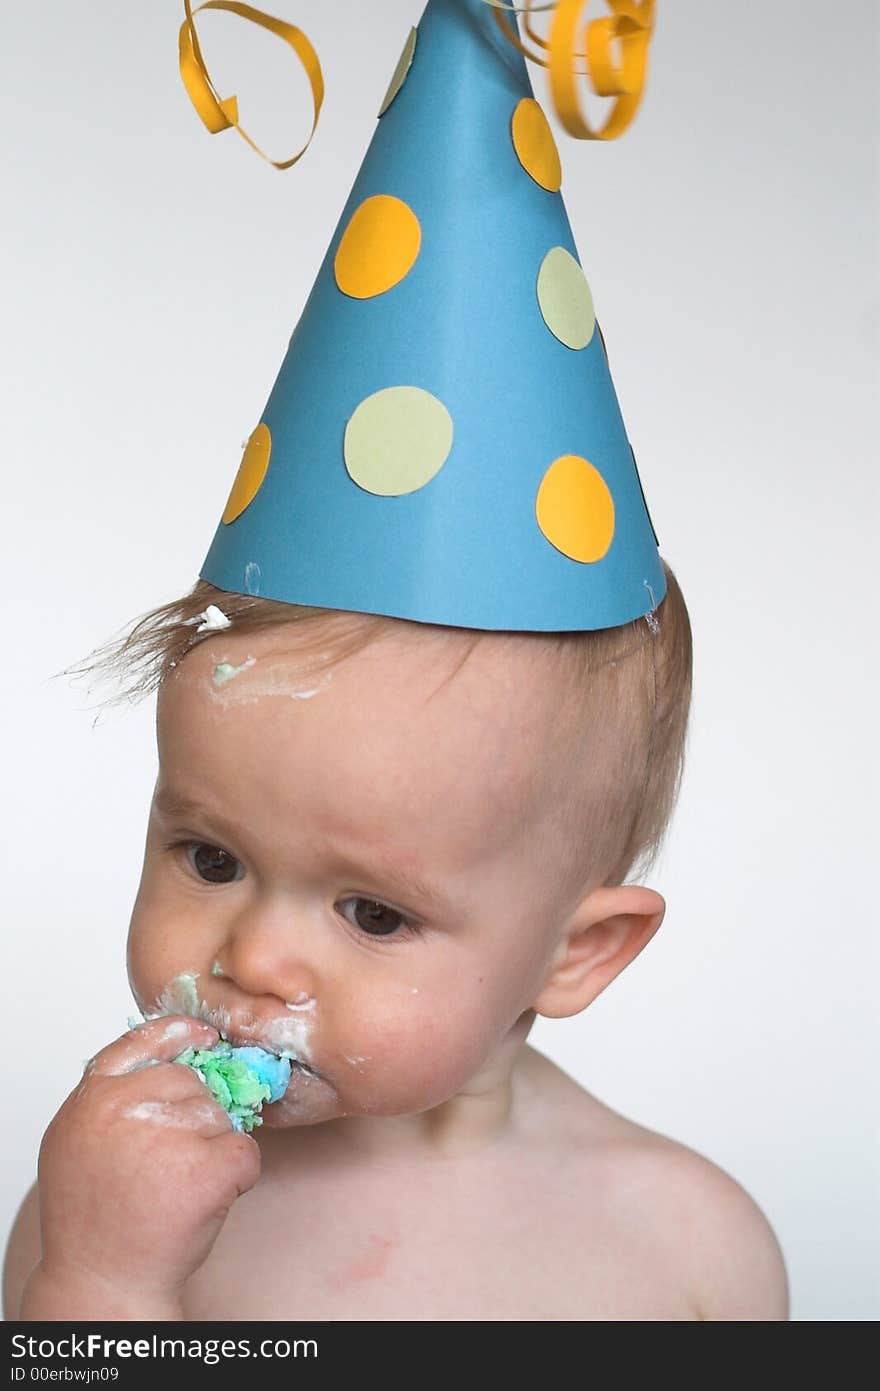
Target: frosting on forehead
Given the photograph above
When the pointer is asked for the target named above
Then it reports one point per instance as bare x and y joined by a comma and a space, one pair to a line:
292, 680
225, 671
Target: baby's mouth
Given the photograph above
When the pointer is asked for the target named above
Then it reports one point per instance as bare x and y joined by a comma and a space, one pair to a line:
238, 1040
280, 1036
296, 1065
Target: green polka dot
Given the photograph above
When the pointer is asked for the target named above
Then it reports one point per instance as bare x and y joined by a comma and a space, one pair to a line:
397, 440
565, 299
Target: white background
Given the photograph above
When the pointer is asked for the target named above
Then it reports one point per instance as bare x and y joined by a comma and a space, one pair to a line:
152, 276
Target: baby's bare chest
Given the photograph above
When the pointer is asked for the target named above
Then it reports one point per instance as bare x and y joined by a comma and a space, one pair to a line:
478, 1245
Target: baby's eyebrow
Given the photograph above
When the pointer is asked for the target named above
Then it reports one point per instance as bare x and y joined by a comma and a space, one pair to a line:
174, 804
406, 882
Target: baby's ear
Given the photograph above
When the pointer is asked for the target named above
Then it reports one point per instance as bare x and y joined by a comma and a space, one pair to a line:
605, 933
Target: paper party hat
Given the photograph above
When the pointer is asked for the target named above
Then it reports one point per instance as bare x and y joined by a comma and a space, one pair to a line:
443, 442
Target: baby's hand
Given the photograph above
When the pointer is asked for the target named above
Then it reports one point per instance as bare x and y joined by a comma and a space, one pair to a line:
137, 1173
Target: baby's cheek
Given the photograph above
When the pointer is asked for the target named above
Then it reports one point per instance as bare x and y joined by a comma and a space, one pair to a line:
418, 1053
143, 971
151, 967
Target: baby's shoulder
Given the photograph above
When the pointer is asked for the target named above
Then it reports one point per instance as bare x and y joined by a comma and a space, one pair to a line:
683, 1212
23, 1251
699, 1218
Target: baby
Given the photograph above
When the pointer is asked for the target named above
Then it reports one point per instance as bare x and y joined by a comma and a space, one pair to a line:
381, 849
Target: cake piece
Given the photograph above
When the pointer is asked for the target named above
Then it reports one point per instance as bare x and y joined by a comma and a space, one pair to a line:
241, 1079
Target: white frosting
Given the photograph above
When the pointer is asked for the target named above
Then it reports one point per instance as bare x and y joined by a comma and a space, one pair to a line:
277, 679
178, 1028
356, 1061
302, 1001
288, 1037
213, 620
225, 671
180, 997
169, 1113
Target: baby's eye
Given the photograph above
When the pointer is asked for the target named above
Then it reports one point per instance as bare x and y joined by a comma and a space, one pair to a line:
211, 863
374, 918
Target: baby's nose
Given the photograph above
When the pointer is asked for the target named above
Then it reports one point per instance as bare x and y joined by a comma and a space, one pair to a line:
269, 951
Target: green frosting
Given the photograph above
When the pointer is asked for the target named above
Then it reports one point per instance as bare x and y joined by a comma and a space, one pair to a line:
235, 1085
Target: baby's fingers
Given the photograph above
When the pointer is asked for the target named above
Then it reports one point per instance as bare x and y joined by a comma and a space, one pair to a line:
202, 1116
241, 1159
160, 1039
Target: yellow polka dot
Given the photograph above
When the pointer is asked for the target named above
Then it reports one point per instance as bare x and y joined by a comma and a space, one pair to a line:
565, 299
575, 510
379, 247
534, 144
401, 71
251, 472
397, 440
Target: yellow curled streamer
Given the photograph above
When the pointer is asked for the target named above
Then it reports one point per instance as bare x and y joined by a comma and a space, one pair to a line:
630, 25
510, 33
218, 113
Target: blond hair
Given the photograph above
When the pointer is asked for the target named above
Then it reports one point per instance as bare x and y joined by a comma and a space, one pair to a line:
626, 693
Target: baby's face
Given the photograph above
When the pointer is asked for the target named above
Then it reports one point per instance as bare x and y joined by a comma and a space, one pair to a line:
354, 865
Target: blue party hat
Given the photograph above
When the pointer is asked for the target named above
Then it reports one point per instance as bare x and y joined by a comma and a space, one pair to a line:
443, 442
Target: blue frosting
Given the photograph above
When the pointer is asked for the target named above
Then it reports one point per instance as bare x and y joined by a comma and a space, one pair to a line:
240, 1079
273, 1072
